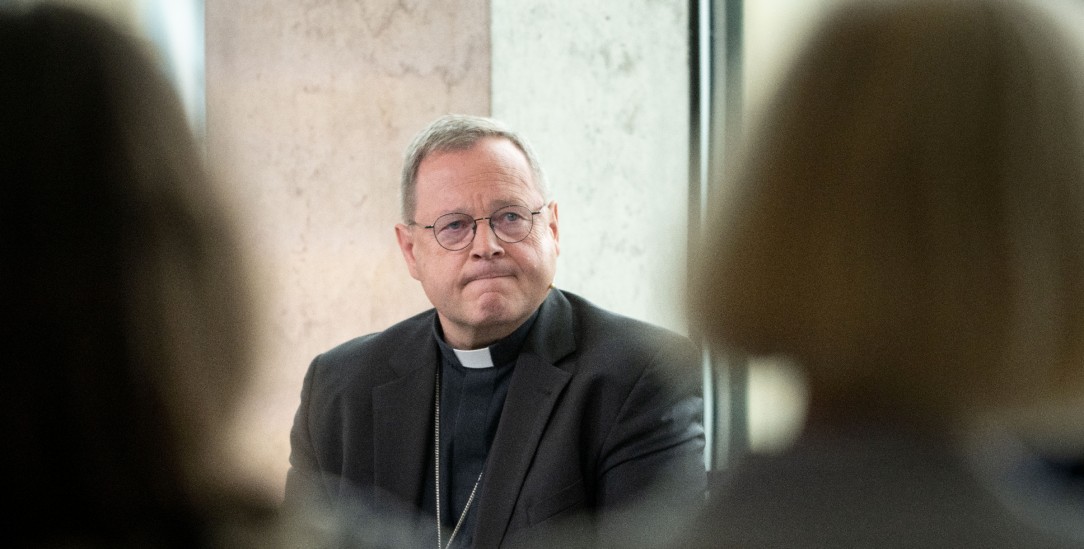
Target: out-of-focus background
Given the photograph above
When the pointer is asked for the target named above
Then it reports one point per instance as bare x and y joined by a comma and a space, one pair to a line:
305, 106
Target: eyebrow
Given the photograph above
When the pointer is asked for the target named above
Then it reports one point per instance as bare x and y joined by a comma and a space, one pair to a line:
493, 206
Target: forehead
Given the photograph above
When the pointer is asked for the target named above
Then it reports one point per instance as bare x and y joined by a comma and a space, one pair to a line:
492, 172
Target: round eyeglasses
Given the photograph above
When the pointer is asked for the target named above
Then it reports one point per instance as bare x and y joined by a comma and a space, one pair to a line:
511, 224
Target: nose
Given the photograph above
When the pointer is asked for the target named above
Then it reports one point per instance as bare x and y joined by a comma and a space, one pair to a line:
485, 243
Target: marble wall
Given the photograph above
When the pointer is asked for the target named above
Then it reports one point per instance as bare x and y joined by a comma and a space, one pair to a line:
310, 104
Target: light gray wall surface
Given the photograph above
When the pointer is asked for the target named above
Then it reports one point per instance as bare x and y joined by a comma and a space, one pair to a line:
602, 91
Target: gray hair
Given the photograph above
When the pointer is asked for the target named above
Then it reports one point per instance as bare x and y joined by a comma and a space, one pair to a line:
458, 132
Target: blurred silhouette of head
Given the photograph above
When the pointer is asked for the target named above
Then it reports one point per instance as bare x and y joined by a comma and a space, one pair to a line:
123, 298
907, 223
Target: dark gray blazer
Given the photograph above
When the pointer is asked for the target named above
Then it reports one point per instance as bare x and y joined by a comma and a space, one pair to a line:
601, 436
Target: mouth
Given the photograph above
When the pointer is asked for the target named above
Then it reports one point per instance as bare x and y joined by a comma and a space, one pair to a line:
487, 276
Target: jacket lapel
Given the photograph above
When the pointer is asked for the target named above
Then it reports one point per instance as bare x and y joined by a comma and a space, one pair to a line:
533, 392
402, 425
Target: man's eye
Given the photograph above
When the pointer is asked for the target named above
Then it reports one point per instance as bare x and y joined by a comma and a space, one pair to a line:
509, 217
453, 226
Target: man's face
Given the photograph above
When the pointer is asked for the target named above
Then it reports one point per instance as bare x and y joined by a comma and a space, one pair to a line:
487, 290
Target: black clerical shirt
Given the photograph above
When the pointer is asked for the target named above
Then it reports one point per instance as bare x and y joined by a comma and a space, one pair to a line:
471, 400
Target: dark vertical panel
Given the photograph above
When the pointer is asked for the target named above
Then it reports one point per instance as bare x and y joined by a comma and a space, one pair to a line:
699, 109
737, 367
716, 125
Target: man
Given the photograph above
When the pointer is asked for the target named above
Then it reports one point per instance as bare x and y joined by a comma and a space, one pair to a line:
527, 413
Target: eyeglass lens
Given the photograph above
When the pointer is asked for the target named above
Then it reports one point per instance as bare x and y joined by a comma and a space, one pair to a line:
455, 231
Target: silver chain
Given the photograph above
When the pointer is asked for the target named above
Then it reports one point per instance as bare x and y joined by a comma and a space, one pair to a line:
436, 446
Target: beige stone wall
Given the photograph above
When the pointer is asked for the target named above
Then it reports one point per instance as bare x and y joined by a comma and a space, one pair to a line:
309, 107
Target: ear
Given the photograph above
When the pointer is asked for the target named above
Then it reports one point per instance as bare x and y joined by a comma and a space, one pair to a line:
553, 227
406, 245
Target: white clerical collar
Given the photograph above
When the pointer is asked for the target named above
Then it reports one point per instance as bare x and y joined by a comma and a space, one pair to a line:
478, 358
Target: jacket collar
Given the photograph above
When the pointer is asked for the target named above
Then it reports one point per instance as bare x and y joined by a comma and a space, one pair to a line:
532, 395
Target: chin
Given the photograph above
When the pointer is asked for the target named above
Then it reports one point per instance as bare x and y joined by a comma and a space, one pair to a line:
493, 310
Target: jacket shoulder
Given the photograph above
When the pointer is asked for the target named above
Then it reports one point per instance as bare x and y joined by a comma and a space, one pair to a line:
375, 351
611, 344
595, 323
